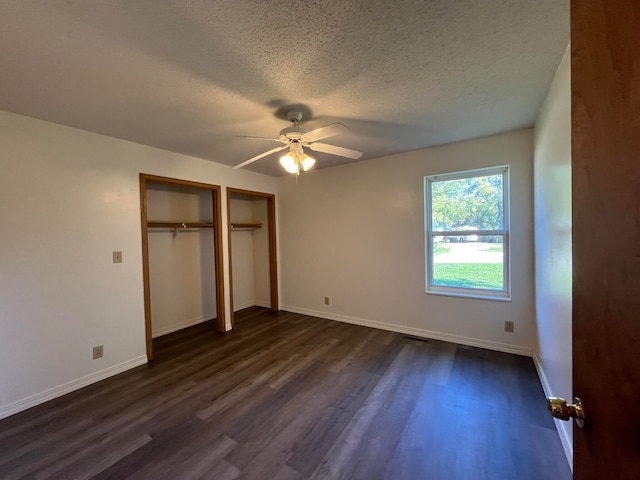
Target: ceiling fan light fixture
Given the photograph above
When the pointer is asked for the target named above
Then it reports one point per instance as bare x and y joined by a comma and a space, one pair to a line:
307, 162
296, 159
289, 163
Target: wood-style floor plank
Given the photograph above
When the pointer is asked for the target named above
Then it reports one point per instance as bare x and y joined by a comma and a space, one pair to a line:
287, 396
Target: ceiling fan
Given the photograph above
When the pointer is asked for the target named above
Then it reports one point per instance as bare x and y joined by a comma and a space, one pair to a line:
296, 137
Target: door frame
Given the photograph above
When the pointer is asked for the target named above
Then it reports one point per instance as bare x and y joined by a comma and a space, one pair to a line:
217, 247
273, 261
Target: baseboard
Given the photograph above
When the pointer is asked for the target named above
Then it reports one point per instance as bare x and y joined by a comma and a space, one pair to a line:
418, 332
237, 308
561, 427
55, 392
179, 326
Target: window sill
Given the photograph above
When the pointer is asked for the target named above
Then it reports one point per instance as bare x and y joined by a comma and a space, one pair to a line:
476, 296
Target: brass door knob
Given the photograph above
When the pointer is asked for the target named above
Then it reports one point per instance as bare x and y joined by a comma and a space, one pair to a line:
559, 408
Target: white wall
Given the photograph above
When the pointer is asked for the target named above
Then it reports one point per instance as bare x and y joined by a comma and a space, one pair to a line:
552, 187
182, 277
355, 233
68, 198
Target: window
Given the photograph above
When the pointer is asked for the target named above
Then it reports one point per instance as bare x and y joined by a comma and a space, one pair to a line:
467, 233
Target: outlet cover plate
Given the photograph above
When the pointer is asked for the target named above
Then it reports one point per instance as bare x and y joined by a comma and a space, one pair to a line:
98, 352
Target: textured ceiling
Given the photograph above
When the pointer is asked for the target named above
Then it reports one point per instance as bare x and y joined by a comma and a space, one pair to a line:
192, 76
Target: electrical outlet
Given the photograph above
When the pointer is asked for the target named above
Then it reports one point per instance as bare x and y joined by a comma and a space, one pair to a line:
508, 326
326, 300
98, 352
117, 257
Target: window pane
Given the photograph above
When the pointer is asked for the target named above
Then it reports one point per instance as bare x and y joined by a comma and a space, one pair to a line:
468, 261
467, 204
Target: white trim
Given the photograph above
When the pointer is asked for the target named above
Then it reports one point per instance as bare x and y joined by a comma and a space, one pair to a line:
237, 308
462, 174
561, 426
251, 304
454, 292
179, 326
55, 392
418, 332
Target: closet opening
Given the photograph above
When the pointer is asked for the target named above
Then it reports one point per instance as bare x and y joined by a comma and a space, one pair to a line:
181, 255
253, 271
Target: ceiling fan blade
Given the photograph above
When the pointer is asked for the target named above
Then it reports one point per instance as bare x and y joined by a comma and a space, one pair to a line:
326, 132
261, 138
333, 150
258, 157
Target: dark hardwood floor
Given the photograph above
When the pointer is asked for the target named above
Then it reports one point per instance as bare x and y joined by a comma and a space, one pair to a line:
286, 396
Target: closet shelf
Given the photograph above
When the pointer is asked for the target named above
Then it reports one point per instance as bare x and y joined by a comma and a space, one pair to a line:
179, 225
245, 226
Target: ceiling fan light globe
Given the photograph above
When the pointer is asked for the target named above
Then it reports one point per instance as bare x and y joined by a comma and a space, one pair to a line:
307, 162
289, 163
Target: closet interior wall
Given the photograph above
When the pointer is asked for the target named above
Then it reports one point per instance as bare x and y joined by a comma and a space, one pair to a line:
250, 252
181, 261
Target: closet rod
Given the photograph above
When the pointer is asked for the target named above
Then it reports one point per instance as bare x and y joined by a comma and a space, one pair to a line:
245, 226
179, 225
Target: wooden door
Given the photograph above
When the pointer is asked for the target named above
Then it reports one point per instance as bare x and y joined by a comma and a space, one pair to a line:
605, 52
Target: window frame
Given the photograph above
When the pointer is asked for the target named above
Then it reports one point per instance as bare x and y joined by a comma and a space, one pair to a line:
468, 292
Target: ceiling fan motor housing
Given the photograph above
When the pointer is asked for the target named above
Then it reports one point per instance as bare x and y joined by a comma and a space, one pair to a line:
294, 133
